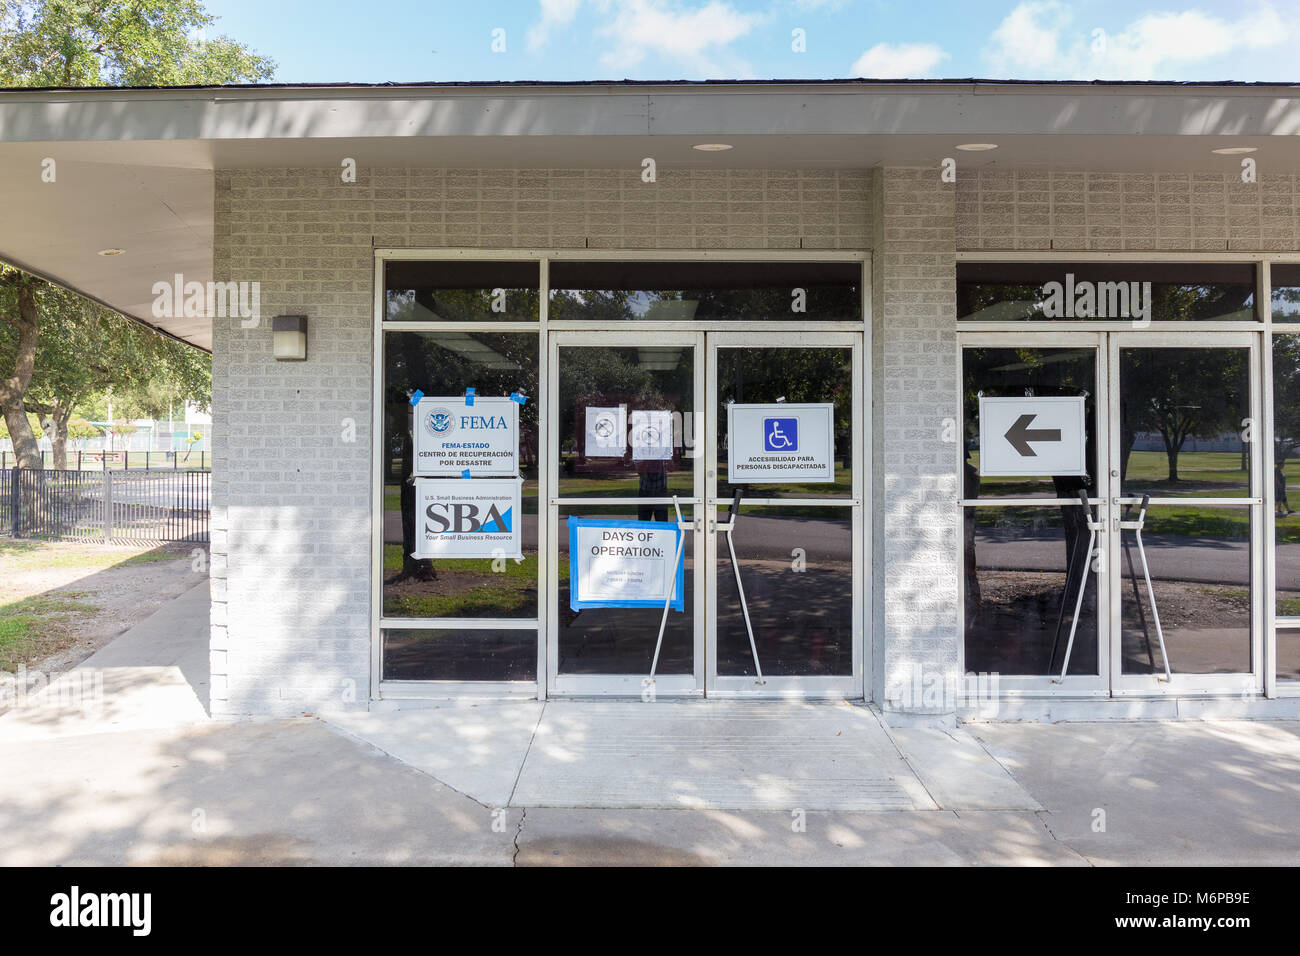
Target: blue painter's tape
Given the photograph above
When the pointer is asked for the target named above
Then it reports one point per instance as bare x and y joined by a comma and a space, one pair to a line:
518, 397
465, 473
469, 396
416, 396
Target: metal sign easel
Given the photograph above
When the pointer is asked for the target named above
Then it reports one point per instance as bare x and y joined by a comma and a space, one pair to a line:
729, 527
682, 528
1136, 528
1094, 529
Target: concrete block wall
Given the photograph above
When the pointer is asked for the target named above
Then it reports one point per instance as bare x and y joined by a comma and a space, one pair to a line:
291, 511
1160, 212
915, 402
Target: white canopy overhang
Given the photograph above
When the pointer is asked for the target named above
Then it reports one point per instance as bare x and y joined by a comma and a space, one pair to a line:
135, 166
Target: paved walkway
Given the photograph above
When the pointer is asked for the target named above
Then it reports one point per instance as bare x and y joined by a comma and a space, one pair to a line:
140, 775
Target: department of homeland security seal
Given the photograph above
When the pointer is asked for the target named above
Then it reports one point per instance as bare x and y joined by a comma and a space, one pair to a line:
440, 422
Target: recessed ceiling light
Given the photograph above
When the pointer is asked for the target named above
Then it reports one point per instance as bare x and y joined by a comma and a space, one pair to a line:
111, 252
711, 147
977, 147
1234, 150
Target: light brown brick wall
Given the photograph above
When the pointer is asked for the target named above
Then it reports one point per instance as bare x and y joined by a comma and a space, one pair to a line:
916, 636
291, 498
1164, 212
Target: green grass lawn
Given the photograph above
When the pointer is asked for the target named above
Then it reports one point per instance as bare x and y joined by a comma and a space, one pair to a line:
1216, 473
26, 625
481, 591
32, 555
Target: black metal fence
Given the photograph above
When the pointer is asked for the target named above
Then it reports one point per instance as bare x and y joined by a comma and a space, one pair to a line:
154, 505
121, 460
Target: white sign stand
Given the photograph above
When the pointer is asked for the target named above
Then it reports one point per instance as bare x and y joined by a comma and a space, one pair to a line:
729, 528
682, 527
1094, 528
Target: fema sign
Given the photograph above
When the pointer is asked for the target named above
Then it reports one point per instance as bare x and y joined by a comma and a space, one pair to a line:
452, 437
782, 442
456, 518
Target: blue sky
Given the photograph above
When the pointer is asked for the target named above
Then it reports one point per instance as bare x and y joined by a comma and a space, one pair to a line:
405, 40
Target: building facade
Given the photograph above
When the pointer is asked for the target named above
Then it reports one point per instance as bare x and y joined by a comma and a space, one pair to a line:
855, 296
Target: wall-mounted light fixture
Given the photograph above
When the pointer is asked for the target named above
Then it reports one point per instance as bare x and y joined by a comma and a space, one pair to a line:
289, 338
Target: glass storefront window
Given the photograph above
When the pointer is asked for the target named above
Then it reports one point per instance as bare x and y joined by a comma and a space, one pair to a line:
706, 291
1043, 372
460, 655
462, 291
1286, 514
1183, 412
1137, 292
446, 364
626, 424
793, 376
800, 602
1199, 558
1285, 280
1021, 580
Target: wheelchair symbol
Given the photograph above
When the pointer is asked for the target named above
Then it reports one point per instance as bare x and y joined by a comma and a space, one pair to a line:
780, 434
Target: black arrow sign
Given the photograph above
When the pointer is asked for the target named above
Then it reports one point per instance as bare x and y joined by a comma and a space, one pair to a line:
1020, 435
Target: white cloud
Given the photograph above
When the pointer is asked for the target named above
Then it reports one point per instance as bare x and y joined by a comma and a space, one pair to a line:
1042, 39
1028, 39
899, 61
555, 13
690, 36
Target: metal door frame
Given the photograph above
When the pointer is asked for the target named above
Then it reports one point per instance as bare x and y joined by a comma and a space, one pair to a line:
851, 686
1109, 682
1182, 684
1047, 685
620, 685
704, 679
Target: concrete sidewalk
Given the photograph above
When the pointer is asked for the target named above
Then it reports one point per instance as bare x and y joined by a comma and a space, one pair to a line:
141, 775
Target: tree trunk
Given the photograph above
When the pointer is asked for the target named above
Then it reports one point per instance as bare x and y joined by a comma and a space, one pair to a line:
59, 438
1173, 445
14, 387
54, 420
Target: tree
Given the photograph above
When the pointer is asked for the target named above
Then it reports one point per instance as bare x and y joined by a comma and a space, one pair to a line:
116, 43
88, 350
90, 43
18, 294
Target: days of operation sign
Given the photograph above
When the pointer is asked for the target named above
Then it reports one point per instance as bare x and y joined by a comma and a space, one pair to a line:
769, 444
452, 437
616, 563
1031, 436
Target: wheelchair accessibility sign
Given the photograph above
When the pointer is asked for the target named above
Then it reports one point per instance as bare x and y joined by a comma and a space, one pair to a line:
782, 442
780, 434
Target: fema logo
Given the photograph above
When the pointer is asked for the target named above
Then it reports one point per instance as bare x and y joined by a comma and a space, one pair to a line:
440, 422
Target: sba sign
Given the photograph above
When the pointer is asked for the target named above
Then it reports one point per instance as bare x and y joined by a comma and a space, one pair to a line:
460, 518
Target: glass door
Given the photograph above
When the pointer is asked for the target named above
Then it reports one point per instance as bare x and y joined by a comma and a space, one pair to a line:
1187, 502
785, 530
1136, 573
625, 431
1034, 524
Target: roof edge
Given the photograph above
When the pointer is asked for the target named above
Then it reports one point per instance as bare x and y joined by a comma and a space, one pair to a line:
675, 84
